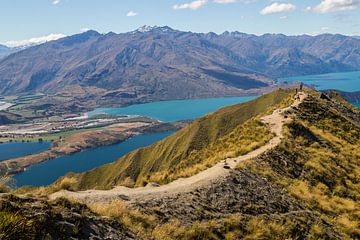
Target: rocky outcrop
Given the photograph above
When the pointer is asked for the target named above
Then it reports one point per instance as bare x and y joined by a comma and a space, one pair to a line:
63, 219
241, 192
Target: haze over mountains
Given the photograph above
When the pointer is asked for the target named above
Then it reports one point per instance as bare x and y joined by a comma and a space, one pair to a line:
4, 51
159, 63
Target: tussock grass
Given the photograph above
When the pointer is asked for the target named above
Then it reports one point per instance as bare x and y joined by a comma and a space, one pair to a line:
5, 183
237, 226
140, 223
14, 226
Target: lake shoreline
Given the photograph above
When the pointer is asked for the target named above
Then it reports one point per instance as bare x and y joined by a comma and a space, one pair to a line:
83, 141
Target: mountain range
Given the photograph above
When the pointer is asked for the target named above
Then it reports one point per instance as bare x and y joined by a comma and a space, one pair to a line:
160, 63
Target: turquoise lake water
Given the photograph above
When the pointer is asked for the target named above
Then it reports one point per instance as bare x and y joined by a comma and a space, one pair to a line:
168, 111
47, 172
346, 81
171, 111
20, 149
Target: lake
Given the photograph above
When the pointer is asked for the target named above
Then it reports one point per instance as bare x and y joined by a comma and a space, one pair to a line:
20, 149
47, 172
168, 111
345, 81
171, 111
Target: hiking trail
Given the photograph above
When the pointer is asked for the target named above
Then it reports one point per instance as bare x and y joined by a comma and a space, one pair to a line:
275, 121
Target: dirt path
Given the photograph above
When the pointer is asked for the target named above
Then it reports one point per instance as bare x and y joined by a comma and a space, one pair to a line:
275, 121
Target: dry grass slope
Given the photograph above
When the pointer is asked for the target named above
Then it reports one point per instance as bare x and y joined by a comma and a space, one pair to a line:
227, 132
318, 163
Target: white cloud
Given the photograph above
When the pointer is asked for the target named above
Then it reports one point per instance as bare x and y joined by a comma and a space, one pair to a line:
308, 9
283, 17
225, 1
56, 2
192, 5
132, 14
326, 6
278, 8
34, 41
233, 1
321, 31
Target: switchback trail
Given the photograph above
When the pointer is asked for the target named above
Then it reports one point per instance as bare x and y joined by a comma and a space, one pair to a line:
275, 121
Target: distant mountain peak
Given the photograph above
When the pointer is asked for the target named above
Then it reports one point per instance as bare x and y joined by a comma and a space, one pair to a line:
90, 33
235, 34
145, 28
148, 28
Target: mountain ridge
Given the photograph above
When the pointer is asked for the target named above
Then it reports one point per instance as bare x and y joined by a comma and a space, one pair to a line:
160, 63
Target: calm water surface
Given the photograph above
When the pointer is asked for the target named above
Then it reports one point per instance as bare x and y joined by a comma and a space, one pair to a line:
346, 81
171, 111
47, 172
20, 149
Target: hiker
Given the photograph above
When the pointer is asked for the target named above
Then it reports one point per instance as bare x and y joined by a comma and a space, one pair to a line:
301, 86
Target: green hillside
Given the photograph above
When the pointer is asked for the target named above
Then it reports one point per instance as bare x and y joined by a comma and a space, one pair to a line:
225, 133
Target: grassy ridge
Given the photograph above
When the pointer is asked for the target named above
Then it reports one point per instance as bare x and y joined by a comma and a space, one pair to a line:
318, 163
218, 132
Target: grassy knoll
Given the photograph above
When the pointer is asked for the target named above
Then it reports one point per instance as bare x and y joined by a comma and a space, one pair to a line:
230, 131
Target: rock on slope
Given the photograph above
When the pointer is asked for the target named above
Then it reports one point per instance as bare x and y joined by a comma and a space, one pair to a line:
29, 218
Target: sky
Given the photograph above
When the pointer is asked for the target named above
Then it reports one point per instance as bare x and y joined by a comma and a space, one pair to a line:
31, 21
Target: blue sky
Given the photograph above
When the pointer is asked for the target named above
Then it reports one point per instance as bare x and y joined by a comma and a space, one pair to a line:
25, 19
